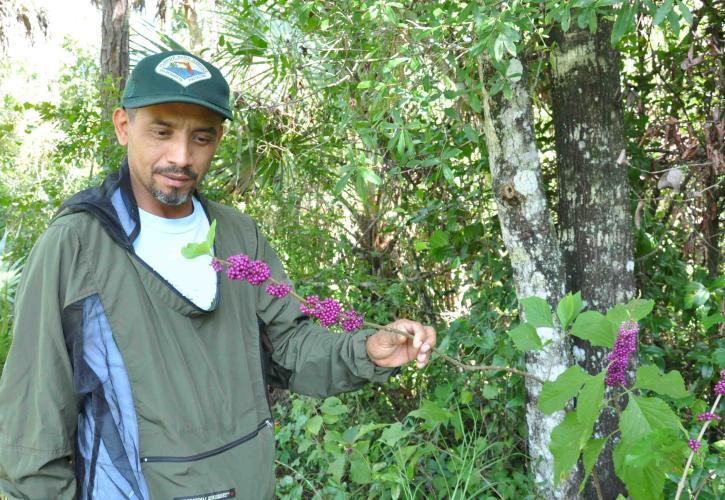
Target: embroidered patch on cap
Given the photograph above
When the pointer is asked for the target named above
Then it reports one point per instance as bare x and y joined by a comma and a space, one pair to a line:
183, 69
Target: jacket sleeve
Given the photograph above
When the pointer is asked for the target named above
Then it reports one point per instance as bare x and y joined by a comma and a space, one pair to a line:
322, 363
38, 413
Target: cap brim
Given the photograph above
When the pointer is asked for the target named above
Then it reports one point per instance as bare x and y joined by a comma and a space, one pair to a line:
142, 102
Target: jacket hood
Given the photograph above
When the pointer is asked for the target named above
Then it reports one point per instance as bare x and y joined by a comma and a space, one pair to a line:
105, 201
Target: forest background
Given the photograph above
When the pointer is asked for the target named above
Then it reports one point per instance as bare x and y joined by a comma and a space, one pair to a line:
444, 161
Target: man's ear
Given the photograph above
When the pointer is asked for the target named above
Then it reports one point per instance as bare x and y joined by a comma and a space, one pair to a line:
120, 123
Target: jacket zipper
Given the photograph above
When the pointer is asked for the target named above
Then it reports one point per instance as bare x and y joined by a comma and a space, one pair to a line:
216, 451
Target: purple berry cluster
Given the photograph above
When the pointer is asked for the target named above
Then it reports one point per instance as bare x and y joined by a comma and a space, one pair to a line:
707, 415
240, 267
625, 345
720, 386
328, 311
351, 320
694, 444
216, 265
278, 290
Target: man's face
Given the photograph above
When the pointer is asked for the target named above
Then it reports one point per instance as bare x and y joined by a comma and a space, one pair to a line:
170, 148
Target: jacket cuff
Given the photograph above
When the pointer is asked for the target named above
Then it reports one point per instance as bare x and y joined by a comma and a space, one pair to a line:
363, 367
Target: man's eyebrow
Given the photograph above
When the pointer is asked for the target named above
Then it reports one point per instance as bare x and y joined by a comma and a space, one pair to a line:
159, 121
208, 130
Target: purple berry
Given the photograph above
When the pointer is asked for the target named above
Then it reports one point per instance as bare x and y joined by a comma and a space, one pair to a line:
351, 320
720, 386
216, 265
310, 305
694, 444
278, 290
330, 311
258, 272
238, 267
707, 415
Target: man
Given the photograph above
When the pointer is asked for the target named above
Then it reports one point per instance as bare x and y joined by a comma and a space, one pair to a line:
135, 373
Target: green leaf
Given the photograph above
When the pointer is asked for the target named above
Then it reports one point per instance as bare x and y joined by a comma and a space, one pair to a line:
470, 134
337, 467
643, 415
625, 20
696, 295
210, 234
537, 312
662, 12
475, 102
313, 425
554, 395
193, 250
431, 413
439, 239
718, 356
590, 401
674, 20
594, 327
712, 320
365, 84
525, 338
369, 176
685, 11
568, 308
394, 433
640, 308
650, 378
617, 314
360, 472
564, 446
591, 453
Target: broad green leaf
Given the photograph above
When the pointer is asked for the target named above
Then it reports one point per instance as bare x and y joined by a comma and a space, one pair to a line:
210, 234
591, 453
313, 425
475, 102
650, 378
568, 308
193, 250
537, 312
525, 337
662, 12
337, 467
439, 239
564, 446
360, 472
431, 412
394, 433
640, 308
712, 320
696, 295
365, 84
643, 415
594, 327
554, 395
617, 314
674, 21
590, 400
718, 356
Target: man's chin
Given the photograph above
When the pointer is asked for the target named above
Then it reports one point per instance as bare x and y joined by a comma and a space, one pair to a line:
172, 198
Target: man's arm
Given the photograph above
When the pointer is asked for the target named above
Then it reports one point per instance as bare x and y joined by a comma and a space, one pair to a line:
325, 363
38, 414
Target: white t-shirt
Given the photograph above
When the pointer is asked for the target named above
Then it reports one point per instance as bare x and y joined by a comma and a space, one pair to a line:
159, 244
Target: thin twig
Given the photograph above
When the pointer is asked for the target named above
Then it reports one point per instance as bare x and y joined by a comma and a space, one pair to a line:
681, 484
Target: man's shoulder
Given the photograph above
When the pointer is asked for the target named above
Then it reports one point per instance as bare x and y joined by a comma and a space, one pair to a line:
229, 215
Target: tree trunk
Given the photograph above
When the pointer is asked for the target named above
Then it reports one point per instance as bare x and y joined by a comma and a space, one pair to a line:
594, 210
530, 239
114, 52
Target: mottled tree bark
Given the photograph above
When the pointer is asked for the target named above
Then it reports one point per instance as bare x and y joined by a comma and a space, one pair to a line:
529, 236
114, 50
594, 214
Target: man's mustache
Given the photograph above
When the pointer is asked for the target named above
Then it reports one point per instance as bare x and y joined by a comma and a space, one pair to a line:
185, 171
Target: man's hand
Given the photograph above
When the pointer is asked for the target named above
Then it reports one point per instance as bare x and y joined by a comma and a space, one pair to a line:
389, 349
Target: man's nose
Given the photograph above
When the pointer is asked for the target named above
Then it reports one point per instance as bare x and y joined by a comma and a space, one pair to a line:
179, 152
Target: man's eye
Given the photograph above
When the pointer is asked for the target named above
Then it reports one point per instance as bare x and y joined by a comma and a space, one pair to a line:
202, 140
160, 133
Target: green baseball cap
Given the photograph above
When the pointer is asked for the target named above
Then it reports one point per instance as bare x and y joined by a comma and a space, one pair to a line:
177, 76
